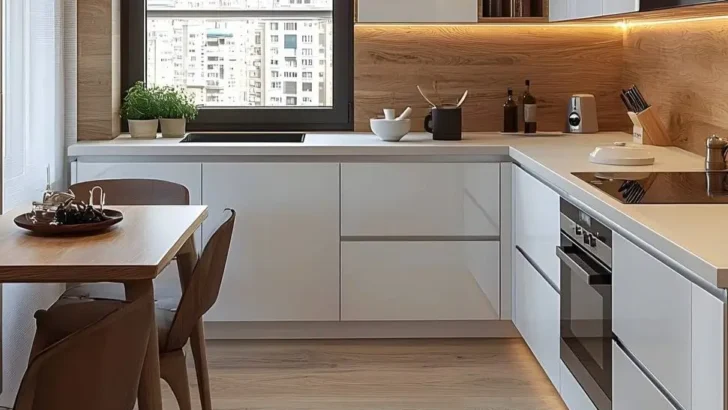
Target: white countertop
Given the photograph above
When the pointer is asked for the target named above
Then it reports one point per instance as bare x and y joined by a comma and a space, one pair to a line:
687, 235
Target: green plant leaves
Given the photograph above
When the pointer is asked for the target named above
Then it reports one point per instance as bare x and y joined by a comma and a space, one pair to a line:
148, 103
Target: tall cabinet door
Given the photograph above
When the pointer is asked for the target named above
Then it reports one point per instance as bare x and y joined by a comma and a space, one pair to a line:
579, 9
284, 257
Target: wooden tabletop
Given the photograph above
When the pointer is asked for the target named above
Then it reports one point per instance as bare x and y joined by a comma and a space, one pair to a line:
139, 247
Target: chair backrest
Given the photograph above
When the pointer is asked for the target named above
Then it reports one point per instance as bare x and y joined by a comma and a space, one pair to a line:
96, 367
204, 285
135, 192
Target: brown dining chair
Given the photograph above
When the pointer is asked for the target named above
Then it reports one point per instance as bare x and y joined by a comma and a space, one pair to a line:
176, 323
94, 363
124, 192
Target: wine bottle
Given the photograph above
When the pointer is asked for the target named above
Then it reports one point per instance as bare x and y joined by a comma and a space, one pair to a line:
510, 114
529, 110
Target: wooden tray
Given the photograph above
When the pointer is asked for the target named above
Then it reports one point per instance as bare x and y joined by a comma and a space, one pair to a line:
43, 227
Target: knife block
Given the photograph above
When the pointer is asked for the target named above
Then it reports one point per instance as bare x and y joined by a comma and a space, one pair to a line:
649, 129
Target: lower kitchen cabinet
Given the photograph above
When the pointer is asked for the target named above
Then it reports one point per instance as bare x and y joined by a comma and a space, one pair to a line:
184, 173
420, 199
631, 389
708, 351
383, 281
284, 257
537, 316
571, 392
652, 317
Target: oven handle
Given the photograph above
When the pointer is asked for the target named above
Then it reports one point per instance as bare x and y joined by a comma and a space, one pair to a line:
589, 278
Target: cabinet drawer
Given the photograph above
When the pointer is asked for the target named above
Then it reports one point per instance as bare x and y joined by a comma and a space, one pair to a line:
537, 316
571, 392
652, 316
418, 11
709, 350
536, 222
632, 390
451, 200
420, 281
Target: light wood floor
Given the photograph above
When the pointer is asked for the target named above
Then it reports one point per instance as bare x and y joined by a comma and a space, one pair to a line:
492, 374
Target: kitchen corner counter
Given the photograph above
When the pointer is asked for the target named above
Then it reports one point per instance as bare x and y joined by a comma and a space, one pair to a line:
675, 234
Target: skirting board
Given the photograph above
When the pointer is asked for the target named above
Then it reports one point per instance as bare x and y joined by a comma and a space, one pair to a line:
360, 330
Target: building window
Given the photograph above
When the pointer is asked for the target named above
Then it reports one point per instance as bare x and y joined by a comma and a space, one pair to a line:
290, 41
230, 44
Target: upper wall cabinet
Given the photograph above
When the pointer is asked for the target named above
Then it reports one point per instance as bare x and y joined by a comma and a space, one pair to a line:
418, 11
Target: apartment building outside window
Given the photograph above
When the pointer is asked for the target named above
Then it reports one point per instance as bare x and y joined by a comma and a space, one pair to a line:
212, 48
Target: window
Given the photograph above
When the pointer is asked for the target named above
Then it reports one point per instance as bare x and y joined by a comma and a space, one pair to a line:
234, 41
290, 41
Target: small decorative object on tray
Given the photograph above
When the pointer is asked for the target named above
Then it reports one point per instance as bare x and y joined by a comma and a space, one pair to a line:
60, 214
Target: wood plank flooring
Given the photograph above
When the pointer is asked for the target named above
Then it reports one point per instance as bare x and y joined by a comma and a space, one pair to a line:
483, 374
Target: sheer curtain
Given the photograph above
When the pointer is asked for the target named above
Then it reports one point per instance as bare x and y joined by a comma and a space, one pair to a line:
33, 137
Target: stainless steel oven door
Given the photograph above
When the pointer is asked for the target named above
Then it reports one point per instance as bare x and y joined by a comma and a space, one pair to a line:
586, 321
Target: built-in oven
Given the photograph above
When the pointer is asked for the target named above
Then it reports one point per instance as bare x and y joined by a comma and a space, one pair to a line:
586, 302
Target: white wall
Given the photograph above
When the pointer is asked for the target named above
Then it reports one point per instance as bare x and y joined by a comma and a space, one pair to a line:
33, 139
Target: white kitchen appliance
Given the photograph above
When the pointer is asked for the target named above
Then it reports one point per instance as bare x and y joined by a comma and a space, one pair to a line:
622, 154
582, 114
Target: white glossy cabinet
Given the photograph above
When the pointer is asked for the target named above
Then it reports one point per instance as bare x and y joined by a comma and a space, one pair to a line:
284, 257
536, 222
708, 351
189, 174
537, 316
652, 315
610, 7
422, 200
382, 281
571, 392
418, 11
631, 389
558, 10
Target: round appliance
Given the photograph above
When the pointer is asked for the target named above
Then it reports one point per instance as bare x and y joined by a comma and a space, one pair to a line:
622, 154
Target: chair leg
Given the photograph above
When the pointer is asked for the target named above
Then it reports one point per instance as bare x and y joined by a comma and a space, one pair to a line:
174, 372
199, 353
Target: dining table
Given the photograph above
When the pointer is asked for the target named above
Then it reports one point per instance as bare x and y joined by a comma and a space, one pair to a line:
133, 252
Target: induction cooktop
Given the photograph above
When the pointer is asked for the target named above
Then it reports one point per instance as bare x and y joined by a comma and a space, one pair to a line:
661, 187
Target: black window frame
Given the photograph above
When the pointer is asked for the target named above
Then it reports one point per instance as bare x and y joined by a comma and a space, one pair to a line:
339, 117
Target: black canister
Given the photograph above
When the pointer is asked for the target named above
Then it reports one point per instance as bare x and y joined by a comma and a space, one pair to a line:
445, 123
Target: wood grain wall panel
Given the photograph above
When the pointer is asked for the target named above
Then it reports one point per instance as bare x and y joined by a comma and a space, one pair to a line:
98, 74
682, 69
390, 61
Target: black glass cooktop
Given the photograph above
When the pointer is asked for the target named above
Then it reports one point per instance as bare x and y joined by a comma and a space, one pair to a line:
661, 187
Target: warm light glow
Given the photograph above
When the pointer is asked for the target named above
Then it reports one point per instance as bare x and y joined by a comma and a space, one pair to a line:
628, 24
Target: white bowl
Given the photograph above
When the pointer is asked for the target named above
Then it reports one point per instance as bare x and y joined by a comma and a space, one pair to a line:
390, 130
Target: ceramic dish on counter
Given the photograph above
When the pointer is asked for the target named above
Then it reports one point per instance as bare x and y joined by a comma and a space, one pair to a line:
390, 130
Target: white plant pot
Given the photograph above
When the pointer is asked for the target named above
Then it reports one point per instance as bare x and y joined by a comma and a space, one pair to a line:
173, 127
143, 128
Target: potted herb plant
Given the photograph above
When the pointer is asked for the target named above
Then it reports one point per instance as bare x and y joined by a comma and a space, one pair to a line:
140, 109
176, 107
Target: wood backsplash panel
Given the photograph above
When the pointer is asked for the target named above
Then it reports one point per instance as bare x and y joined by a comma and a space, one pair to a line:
99, 69
682, 69
390, 61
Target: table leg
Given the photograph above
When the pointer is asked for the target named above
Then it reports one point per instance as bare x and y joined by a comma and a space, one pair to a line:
150, 388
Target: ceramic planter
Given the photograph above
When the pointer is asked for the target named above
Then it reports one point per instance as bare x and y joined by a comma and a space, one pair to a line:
173, 127
143, 128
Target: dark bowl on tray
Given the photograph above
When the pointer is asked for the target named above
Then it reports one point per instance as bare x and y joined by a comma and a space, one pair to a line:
43, 226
